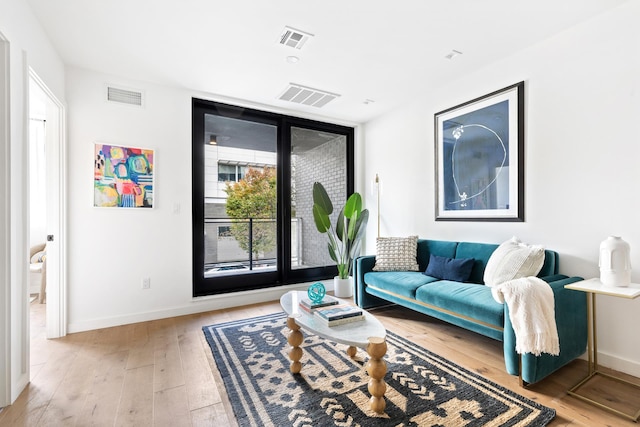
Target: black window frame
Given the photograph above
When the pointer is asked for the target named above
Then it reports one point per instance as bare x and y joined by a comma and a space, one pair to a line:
283, 274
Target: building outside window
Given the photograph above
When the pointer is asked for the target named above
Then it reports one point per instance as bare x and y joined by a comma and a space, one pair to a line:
233, 172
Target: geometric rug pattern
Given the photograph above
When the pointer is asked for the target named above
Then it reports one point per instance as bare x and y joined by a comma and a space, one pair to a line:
423, 389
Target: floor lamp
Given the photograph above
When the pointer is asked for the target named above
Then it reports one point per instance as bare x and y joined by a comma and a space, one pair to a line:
377, 183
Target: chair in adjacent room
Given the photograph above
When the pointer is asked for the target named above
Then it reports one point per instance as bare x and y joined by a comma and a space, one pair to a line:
38, 271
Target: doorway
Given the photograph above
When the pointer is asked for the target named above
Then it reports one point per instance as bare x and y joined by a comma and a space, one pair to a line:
14, 317
46, 206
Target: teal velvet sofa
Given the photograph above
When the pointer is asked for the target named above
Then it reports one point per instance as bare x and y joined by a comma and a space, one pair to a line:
470, 305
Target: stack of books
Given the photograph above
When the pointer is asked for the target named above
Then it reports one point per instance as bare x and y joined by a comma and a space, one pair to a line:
339, 314
309, 306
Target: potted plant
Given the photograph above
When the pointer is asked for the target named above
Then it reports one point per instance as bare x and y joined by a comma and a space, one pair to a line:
345, 238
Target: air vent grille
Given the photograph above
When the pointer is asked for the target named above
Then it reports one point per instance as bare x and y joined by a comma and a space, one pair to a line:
294, 38
124, 96
307, 96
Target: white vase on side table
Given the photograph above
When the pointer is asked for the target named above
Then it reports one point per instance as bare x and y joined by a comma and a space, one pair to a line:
343, 288
615, 262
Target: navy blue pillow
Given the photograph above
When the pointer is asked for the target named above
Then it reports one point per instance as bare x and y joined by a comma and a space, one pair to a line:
455, 269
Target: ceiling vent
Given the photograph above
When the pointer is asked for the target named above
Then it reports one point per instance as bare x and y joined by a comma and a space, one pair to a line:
307, 96
124, 96
294, 38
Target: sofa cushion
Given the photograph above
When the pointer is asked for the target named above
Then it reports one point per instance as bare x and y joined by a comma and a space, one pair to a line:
513, 260
465, 299
402, 283
396, 254
480, 252
456, 269
435, 247
550, 266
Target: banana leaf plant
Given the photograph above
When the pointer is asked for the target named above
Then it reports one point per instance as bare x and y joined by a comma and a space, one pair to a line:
346, 237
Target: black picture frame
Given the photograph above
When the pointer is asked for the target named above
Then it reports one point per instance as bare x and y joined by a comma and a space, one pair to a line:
479, 158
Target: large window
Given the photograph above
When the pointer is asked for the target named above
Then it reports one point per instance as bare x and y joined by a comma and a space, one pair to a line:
253, 173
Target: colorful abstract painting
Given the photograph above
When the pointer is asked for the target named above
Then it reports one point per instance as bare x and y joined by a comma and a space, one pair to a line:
123, 177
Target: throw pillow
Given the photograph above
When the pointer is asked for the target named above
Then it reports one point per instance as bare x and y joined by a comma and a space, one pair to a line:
513, 260
396, 254
456, 269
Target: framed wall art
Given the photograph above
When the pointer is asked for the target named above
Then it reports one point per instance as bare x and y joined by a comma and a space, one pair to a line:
122, 177
479, 154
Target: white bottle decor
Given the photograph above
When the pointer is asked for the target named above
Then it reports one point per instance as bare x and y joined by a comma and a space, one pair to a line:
615, 262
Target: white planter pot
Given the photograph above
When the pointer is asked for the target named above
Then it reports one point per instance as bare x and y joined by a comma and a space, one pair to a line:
342, 288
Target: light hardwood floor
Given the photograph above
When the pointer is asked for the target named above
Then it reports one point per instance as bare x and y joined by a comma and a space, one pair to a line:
161, 373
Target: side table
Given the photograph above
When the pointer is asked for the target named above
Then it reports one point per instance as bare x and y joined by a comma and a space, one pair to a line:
593, 287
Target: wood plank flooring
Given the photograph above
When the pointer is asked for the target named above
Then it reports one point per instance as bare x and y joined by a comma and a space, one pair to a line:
161, 373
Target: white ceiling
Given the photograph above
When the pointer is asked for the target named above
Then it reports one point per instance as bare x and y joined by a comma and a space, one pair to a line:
390, 52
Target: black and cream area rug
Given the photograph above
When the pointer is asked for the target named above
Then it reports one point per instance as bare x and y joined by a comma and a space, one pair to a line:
423, 389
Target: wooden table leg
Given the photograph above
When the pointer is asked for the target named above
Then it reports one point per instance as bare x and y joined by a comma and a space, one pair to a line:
377, 368
294, 339
352, 351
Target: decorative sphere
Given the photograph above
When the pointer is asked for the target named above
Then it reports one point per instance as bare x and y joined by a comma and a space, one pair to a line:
316, 292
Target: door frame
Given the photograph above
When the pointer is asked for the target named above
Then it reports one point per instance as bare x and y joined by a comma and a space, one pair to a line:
5, 231
56, 310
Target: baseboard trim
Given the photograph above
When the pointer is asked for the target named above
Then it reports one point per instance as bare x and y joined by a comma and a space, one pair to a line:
619, 364
196, 305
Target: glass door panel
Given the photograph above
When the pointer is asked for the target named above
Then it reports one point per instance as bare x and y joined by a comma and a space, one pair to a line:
240, 196
316, 155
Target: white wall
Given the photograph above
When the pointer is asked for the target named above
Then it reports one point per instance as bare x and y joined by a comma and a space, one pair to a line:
110, 250
28, 48
582, 175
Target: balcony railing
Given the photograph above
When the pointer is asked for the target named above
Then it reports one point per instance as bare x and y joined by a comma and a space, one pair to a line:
225, 254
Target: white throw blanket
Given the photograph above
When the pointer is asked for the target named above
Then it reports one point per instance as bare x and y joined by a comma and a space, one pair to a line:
532, 313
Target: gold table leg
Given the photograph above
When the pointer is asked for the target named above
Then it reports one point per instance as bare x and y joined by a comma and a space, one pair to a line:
377, 368
592, 356
294, 339
592, 344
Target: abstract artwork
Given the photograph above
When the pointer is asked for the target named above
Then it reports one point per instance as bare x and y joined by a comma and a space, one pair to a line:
479, 152
122, 176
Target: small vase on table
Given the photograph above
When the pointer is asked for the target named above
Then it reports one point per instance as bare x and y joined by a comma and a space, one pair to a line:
615, 262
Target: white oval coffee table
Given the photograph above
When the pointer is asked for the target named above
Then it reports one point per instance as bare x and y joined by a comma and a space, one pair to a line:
368, 334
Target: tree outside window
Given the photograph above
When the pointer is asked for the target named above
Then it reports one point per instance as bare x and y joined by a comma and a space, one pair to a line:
253, 198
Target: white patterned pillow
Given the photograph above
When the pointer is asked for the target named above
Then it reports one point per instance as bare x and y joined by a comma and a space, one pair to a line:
513, 260
396, 254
